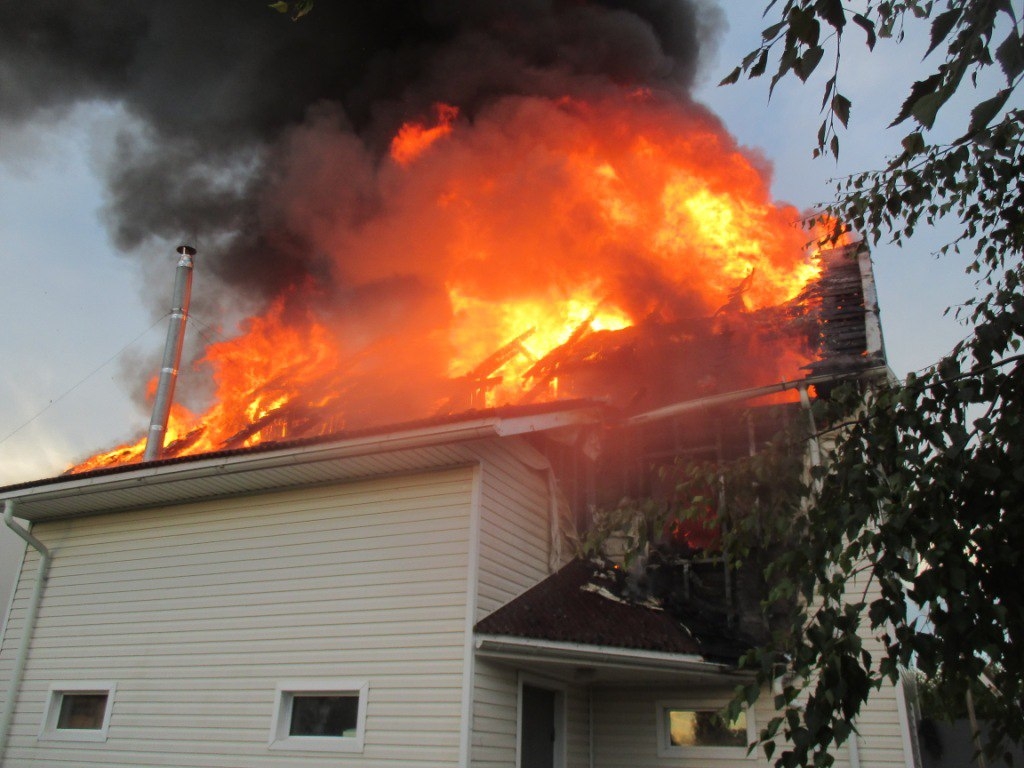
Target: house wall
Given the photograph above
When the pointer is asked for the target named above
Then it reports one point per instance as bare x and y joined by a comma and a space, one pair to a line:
515, 541
495, 725
578, 727
516, 551
625, 729
198, 611
515, 524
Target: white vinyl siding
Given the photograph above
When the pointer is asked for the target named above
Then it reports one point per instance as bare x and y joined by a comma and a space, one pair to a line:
514, 545
496, 712
577, 737
515, 528
881, 735
197, 613
625, 730
495, 707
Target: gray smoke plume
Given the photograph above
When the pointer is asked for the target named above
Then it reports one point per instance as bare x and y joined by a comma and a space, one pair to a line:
217, 87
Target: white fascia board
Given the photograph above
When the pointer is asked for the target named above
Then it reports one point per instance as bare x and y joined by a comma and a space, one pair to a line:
160, 475
872, 321
510, 648
518, 425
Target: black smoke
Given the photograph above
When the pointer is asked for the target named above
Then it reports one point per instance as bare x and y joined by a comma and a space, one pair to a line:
216, 85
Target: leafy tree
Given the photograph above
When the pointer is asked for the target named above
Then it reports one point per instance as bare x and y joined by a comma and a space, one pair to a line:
921, 502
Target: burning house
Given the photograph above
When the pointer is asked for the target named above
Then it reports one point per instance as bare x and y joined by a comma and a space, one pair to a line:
498, 271
407, 594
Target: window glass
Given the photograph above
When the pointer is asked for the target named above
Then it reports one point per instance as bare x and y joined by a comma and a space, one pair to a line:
320, 715
83, 711
705, 728
324, 715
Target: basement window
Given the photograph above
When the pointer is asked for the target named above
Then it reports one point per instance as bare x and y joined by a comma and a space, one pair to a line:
702, 731
319, 715
77, 712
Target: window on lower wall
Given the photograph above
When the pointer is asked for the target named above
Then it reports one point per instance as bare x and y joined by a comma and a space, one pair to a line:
688, 728
77, 712
320, 715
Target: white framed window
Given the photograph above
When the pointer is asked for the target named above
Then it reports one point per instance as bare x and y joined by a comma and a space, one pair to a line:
700, 729
78, 711
319, 715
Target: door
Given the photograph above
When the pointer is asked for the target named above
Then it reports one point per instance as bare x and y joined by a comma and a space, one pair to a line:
538, 731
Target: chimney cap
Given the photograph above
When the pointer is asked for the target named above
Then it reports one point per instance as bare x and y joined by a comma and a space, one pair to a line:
186, 250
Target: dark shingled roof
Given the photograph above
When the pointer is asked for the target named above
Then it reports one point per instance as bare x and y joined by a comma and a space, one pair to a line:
560, 609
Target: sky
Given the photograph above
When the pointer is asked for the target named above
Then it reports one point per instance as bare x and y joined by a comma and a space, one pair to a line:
80, 325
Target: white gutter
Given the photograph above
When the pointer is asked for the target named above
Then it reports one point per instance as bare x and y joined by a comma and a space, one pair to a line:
854, 749
20, 661
523, 649
814, 443
472, 600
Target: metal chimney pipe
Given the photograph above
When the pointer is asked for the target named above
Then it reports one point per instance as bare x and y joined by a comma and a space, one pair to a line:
172, 354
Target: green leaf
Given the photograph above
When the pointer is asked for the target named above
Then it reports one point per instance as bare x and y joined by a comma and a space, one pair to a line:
832, 11
830, 86
760, 65
280, 6
926, 108
918, 91
773, 30
841, 108
302, 7
985, 112
803, 26
732, 77
942, 25
869, 28
808, 62
913, 143
1010, 55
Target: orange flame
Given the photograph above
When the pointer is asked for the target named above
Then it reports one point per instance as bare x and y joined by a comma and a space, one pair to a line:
539, 238
828, 233
413, 139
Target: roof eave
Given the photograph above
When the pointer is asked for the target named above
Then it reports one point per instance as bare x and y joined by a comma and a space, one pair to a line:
638, 664
32, 499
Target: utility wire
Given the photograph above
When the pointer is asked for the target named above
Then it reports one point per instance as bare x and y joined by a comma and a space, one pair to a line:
88, 376
204, 331
208, 333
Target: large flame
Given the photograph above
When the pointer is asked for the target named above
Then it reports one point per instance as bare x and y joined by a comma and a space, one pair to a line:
459, 264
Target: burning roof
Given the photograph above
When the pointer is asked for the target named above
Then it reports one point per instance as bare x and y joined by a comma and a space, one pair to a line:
431, 207
827, 328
